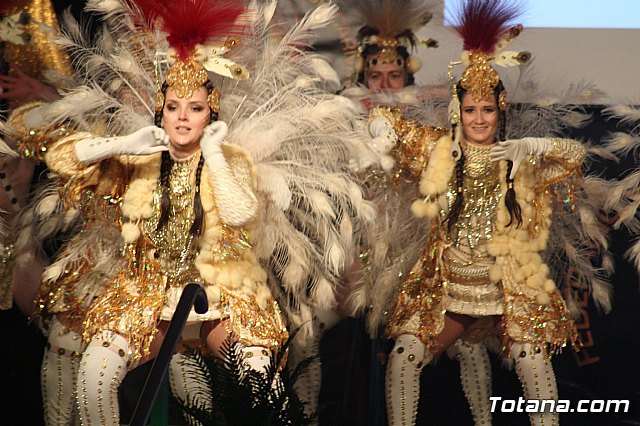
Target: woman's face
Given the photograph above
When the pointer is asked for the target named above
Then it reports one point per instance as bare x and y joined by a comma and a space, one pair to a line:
479, 120
184, 121
385, 77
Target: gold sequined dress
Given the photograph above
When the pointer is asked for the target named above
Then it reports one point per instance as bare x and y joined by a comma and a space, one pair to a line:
153, 265
481, 266
469, 290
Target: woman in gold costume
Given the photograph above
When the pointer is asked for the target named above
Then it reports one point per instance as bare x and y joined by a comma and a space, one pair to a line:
174, 203
164, 206
487, 205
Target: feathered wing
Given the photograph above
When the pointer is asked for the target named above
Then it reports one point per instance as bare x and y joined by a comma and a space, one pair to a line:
301, 138
624, 199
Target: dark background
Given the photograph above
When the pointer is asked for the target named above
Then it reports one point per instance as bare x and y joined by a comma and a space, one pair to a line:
608, 367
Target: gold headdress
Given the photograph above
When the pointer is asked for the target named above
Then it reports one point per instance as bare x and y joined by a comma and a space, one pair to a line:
199, 33
484, 28
26, 27
389, 32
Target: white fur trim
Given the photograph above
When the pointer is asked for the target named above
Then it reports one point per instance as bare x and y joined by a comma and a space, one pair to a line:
130, 232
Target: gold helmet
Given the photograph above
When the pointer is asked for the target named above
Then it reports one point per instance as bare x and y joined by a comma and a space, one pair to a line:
199, 34
389, 33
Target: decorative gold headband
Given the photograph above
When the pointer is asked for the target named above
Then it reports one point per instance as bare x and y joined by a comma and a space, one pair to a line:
480, 79
185, 77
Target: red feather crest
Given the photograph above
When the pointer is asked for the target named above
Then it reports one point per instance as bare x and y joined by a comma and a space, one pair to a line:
9, 5
480, 23
192, 22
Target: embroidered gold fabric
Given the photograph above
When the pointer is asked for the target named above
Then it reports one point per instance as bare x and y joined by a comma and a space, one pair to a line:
131, 302
546, 326
481, 194
563, 159
469, 290
252, 325
479, 78
39, 53
415, 142
176, 250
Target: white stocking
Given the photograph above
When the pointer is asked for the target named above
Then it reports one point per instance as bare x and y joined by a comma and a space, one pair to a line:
475, 373
58, 375
102, 369
403, 379
308, 384
535, 372
186, 379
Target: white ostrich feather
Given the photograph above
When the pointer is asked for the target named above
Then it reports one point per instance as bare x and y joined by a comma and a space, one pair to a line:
622, 143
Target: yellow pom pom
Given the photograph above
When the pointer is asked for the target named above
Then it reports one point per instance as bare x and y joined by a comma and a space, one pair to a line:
427, 187
549, 286
414, 65
495, 273
535, 281
130, 232
263, 296
420, 208
543, 299
207, 272
213, 293
527, 211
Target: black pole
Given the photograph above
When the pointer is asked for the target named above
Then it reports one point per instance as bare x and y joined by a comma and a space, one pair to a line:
192, 295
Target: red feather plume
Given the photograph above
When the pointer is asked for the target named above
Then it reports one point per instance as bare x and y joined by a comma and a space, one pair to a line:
8, 5
191, 22
480, 23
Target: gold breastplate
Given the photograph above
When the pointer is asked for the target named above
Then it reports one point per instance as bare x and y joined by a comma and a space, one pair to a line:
481, 191
176, 249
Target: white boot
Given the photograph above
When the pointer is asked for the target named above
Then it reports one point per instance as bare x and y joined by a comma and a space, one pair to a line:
58, 376
304, 347
538, 381
103, 367
256, 358
403, 380
189, 383
475, 374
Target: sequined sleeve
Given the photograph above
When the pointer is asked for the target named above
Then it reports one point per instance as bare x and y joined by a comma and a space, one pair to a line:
563, 159
414, 144
32, 142
55, 146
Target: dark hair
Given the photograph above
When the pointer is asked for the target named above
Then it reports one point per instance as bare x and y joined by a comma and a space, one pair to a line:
515, 212
165, 170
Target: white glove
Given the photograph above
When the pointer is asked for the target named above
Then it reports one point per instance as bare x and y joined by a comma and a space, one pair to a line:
146, 141
210, 143
516, 150
384, 137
